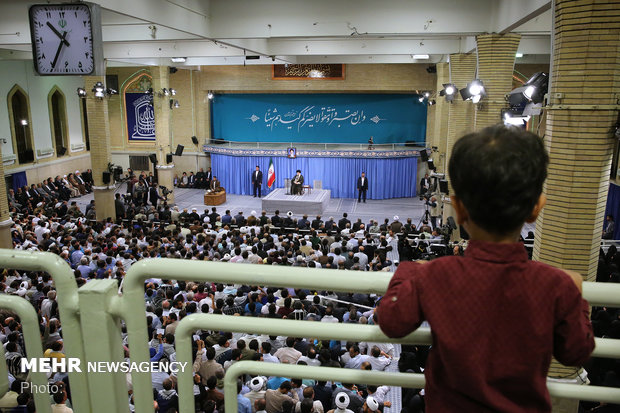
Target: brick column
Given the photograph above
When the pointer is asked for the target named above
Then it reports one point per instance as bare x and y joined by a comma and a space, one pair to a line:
442, 108
5, 219
163, 132
460, 115
99, 132
496, 61
579, 138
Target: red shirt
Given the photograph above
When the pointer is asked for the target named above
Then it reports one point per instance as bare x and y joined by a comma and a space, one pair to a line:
496, 319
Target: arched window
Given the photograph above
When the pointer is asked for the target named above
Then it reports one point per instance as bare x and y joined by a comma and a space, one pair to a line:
19, 114
58, 120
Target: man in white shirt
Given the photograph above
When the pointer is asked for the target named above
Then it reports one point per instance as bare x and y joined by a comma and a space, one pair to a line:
288, 354
356, 359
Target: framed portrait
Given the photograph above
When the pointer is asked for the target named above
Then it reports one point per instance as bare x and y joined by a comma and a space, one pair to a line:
291, 153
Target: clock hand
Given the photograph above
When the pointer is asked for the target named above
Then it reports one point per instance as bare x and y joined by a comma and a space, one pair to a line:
62, 39
58, 34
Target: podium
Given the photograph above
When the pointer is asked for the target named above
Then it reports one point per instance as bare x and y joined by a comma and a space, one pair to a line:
215, 198
287, 185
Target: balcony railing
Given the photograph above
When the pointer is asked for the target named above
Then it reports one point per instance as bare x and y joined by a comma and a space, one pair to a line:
91, 326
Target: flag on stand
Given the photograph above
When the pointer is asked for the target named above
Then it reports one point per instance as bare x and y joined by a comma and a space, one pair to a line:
271, 174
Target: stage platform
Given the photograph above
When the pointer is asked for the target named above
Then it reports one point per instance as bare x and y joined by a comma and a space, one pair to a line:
313, 203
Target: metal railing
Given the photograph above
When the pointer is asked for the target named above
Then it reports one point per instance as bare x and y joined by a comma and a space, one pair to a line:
67, 299
32, 338
91, 327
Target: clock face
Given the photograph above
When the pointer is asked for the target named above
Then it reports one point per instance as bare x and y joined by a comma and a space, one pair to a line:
62, 39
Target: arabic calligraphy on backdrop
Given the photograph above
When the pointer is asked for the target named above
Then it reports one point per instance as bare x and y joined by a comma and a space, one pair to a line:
309, 71
139, 112
311, 116
318, 118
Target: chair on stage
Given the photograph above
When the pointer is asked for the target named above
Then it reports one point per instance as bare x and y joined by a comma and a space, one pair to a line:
303, 189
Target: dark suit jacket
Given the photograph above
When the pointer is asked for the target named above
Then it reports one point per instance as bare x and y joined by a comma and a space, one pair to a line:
342, 224
257, 180
276, 220
208, 175
153, 195
240, 220
191, 180
425, 182
359, 184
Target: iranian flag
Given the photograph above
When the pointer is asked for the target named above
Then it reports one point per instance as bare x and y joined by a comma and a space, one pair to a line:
271, 174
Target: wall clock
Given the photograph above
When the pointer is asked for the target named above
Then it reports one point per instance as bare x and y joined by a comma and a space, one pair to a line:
66, 38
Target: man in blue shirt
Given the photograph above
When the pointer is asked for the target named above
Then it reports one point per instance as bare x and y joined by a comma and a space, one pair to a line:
244, 405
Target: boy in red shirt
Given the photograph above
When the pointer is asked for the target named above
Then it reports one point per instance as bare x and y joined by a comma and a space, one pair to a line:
496, 317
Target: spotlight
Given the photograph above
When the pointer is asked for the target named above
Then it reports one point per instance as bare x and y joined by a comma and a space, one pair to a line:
210, 95
432, 102
81, 92
111, 91
148, 91
449, 90
421, 99
165, 92
24, 122
536, 87
99, 90
514, 117
172, 91
174, 104
474, 91
178, 59
426, 94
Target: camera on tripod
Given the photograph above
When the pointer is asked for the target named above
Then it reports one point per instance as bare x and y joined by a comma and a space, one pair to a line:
165, 191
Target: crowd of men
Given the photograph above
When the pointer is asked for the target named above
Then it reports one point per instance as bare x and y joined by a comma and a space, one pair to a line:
51, 191
201, 180
96, 250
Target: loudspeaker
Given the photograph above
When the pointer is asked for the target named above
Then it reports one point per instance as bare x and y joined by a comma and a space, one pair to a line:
194, 140
431, 165
153, 157
106, 178
424, 155
168, 158
179, 150
62, 150
443, 187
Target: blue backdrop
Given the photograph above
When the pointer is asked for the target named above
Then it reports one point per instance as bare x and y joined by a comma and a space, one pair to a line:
387, 178
327, 117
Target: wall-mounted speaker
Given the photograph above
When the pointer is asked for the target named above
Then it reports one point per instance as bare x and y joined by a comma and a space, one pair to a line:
431, 165
423, 155
443, 187
179, 150
153, 157
194, 140
168, 158
106, 178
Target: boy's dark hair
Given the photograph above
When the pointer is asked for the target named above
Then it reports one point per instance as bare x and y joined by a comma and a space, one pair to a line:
498, 174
